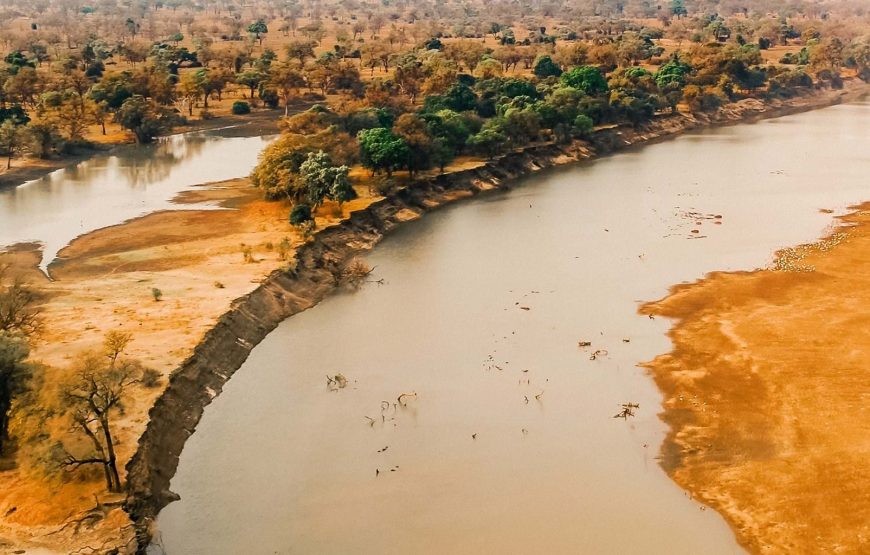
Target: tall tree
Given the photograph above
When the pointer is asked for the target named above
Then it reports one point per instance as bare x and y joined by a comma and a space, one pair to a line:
92, 398
381, 150
258, 29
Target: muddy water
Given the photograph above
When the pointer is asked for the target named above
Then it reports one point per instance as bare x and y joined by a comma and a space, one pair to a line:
510, 445
112, 188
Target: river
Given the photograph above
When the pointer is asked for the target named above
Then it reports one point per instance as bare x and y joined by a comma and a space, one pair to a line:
511, 445
111, 188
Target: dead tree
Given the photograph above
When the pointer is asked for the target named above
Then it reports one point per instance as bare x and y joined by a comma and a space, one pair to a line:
91, 399
17, 311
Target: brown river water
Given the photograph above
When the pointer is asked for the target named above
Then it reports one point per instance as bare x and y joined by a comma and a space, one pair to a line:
511, 445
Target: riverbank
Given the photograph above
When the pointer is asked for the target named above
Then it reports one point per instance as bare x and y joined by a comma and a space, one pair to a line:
107, 276
766, 394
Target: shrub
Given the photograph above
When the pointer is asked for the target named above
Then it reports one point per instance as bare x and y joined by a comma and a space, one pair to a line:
240, 108
583, 126
156, 293
150, 378
300, 214
284, 248
247, 254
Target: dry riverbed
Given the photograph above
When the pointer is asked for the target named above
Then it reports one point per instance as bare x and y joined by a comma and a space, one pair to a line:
767, 395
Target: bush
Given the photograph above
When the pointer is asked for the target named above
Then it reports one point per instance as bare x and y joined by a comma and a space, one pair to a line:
583, 126
240, 108
269, 97
382, 185
300, 214
150, 378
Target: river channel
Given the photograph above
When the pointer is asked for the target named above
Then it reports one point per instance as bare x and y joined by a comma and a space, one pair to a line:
510, 444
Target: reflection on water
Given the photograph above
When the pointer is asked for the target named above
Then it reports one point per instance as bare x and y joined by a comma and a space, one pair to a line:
511, 445
109, 189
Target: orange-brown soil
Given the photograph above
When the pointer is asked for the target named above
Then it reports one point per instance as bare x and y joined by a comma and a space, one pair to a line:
767, 395
103, 282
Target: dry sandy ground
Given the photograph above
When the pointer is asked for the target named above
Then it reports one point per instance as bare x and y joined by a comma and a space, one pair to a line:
767, 395
104, 283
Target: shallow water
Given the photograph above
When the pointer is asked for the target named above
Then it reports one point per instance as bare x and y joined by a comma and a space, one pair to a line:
477, 463
109, 189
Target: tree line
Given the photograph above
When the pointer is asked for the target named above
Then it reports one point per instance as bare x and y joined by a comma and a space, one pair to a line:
431, 109
147, 67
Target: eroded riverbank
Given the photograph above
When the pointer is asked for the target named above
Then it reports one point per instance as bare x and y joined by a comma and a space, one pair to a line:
252, 316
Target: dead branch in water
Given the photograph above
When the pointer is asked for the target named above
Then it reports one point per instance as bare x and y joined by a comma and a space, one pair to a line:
334, 383
404, 397
627, 410
354, 274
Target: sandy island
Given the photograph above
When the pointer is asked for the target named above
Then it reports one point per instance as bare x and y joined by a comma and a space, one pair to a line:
767, 395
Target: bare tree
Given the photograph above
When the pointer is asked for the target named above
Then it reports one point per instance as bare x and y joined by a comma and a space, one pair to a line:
17, 311
93, 397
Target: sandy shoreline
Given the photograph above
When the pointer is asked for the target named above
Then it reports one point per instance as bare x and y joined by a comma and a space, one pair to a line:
182, 252
766, 394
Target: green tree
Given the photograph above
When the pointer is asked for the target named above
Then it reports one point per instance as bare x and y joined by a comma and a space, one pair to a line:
413, 129
546, 67
18, 60
321, 180
113, 89
586, 79
488, 141
42, 138
299, 50
278, 170
673, 74
144, 118
11, 140
452, 128
15, 113
460, 98
300, 214
251, 78
442, 153
381, 150
258, 29
287, 80
583, 126
678, 8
